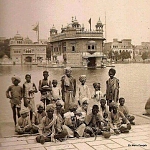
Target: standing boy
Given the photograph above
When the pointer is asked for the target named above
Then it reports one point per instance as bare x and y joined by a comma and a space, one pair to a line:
14, 93
56, 92
45, 89
112, 87
83, 90
29, 89
68, 88
96, 95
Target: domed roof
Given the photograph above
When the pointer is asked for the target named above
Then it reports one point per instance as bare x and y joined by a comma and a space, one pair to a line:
28, 40
75, 21
18, 36
99, 22
53, 28
69, 25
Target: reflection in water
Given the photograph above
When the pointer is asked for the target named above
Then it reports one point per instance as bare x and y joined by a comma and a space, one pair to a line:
134, 83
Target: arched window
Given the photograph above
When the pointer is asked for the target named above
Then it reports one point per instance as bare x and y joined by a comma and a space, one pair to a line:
89, 47
73, 48
92, 46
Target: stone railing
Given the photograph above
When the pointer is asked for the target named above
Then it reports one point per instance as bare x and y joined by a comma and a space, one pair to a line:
77, 34
96, 54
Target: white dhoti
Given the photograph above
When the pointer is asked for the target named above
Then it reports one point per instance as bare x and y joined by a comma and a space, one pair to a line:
79, 130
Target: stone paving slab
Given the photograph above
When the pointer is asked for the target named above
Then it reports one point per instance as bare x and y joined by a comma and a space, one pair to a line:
122, 142
61, 147
81, 146
103, 142
14, 143
101, 147
135, 138
113, 146
38, 148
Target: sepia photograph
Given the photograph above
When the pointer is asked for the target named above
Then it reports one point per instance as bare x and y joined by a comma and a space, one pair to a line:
74, 75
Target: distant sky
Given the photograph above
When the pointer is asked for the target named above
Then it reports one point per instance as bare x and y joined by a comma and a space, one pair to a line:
124, 18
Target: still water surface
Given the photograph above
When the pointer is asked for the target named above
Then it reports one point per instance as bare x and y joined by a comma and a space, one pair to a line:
134, 83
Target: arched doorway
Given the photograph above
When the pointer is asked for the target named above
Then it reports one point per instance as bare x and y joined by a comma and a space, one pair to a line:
28, 59
91, 62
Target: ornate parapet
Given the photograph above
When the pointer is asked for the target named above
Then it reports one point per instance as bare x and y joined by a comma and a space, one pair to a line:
76, 35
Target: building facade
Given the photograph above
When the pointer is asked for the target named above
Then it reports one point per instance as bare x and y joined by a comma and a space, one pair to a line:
78, 46
144, 47
24, 51
2, 39
119, 46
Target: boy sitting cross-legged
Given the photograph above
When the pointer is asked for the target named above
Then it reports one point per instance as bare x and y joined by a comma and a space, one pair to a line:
93, 122
24, 125
49, 127
74, 126
105, 115
115, 120
37, 116
125, 111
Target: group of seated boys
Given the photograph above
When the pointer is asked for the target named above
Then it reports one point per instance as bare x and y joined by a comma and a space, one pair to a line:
54, 123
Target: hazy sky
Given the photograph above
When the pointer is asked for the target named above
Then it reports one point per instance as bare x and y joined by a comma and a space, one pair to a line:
124, 18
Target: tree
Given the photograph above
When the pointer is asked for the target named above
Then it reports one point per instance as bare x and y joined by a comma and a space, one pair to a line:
48, 51
110, 54
2, 54
116, 55
4, 48
125, 55
144, 55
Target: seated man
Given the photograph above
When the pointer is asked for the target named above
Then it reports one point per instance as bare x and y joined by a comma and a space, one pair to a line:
84, 106
50, 129
72, 124
60, 107
115, 120
104, 111
83, 110
24, 125
125, 111
103, 107
93, 122
37, 116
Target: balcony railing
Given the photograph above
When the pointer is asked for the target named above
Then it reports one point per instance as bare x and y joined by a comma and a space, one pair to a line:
96, 54
77, 34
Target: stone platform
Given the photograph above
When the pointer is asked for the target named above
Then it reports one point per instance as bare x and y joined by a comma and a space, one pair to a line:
136, 139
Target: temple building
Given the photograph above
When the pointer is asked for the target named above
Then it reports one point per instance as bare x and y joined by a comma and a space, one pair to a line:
78, 46
24, 51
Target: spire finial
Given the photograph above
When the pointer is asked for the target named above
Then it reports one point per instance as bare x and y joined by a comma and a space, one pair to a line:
72, 18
